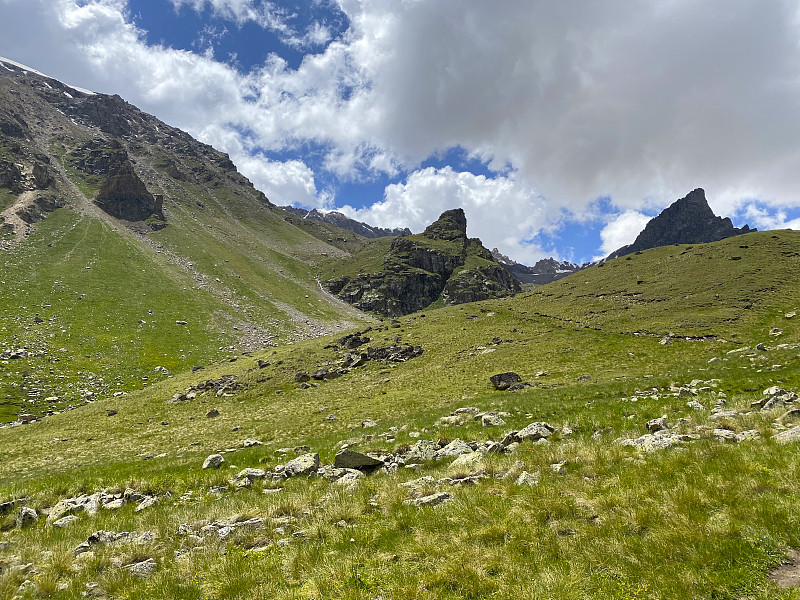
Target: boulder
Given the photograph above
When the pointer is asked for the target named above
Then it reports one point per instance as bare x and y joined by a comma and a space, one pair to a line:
492, 420
528, 479
659, 424
453, 449
350, 459
214, 461
503, 381
432, 500
305, 464
535, 431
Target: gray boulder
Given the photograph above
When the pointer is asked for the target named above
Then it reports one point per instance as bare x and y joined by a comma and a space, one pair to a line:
503, 381
535, 431
26, 516
302, 465
213, 461
350, 459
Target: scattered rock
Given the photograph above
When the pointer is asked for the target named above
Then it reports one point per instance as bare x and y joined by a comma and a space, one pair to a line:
302, 465
250, 443
453, 449
535, 431
143, 568
659, 424
503, 381
790, 435
432, 500
64, 521
212, 413
213, 461
26, 517
528, 479
492, 420
350, 459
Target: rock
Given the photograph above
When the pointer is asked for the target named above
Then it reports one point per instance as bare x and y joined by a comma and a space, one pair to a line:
502, 381
305, 464
658, 440
559, 468
368, 423
432, 500
469, 463
453, 420
467, 410
528, 479
26, 517
421, 451
64, 521
213, 461
146, 503
26, 418
748, 436
724, 435
695, 405
790, 435
492, 420
776, 331
350, 459
535, 431
143, 569
659, 424
251, 474
302, 377
212, 413
453, 449
250, 443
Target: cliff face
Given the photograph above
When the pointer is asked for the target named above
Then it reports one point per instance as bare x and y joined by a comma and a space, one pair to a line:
441, 263
686, 221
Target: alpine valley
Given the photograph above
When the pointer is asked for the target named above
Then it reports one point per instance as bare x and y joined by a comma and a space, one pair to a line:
204, 395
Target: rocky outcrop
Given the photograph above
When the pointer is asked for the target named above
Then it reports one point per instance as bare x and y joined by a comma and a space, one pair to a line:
125, 196
419, 269
340, 220
687, 221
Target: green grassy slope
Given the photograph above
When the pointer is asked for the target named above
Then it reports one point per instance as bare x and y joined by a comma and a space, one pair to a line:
703, 519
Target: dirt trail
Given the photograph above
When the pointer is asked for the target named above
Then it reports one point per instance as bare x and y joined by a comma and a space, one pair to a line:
10, 216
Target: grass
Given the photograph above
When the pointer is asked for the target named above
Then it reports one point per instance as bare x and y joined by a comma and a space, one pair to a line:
702, 520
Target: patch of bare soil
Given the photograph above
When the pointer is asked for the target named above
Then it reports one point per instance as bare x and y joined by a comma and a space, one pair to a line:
787, 575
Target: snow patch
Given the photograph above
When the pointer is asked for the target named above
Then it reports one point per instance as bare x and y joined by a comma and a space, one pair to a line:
26, 70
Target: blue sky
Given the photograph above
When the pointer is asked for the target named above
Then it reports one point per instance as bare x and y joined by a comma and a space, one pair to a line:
560, 128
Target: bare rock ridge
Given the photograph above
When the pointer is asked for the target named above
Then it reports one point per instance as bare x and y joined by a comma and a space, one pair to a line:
544, 271
686, 221
340, 220
441, 263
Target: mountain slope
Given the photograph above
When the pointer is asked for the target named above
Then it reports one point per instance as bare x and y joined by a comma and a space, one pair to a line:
340, 220
533, 518
117, 226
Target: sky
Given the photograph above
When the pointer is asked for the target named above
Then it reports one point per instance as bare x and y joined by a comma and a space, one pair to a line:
559, 127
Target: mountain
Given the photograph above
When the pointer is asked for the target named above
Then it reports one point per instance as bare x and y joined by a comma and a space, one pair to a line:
686, 221
411, 272
128, 246
544, 271
339, 220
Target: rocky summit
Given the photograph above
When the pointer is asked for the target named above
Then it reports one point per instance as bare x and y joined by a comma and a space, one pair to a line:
440, 264
686, 221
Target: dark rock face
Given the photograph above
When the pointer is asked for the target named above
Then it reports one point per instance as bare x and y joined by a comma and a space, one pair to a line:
125, 196
687, 221
340, 220
439, 263
10, 175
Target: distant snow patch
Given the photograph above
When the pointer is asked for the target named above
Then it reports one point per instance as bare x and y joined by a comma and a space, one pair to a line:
26, 70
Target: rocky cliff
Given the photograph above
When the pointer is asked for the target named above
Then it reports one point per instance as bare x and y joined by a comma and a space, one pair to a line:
441, 263
686, 221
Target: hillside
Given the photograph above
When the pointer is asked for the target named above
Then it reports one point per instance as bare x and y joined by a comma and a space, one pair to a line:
656, 425
132, 251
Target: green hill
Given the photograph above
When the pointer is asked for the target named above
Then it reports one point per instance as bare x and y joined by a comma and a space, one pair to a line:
609, 505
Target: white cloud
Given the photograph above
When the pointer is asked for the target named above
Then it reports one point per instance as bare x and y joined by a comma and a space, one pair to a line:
762, 218
640, 102
620, 231
500, 211
284, 183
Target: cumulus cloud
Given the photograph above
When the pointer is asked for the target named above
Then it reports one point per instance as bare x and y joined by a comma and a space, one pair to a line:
500, 211
620, 231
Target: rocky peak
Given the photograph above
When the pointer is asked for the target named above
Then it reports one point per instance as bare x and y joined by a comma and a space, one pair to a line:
689, 220
451, 226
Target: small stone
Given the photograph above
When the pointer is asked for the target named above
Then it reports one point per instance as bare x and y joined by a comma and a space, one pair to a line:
528, 479
65, 521
695, 405
143, 569
724, 435
251, 442
432, 500
213, 461
368, 423
26, 517
659, 424
212, 413
560, 468
469, 463
453, 449
502, 381
492, 420
146, 503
